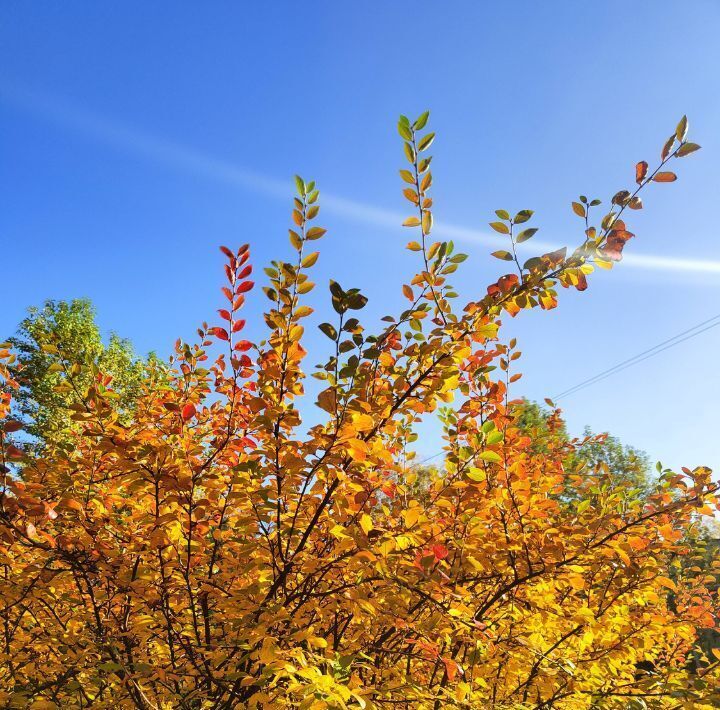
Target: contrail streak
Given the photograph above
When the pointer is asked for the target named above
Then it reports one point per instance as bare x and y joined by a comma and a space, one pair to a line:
160, 150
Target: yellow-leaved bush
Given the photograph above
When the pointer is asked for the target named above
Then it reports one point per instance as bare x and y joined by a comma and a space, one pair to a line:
212, 551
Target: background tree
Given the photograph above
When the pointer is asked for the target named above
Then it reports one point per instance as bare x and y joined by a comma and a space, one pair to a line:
597, 452
61, 339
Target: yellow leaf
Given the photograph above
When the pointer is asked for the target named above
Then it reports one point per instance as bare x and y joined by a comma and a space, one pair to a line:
411, 516
363, 422
366, 523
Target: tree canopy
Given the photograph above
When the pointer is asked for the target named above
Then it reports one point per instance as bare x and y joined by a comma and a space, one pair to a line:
57, 347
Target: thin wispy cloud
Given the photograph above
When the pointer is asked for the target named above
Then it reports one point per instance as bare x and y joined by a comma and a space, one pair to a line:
160, 150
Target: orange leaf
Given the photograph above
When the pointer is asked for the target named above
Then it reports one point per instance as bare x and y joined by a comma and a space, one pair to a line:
641, 171
666, 582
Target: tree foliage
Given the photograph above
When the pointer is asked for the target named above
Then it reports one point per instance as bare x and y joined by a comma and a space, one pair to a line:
55, 346
209, 551
597, 452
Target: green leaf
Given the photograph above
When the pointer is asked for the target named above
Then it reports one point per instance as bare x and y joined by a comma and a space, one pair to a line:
583, 505
426, 141
495, 438
682, 128
686, 149
500, 227
329, 330
310, 259
668, 147
502, 214
523, 216
421, 121
525, 235
475, 474
409, 152
502, 254
534, 262
490, 456
404, 129
357, 301
336, 289
424, 164
300, 184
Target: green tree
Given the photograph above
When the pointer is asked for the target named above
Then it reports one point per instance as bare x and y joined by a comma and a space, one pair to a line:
55, 343
599, 453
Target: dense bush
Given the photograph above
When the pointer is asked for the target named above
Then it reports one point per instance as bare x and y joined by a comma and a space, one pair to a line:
202, 549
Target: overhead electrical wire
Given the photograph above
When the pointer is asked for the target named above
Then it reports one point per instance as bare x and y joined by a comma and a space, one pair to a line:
629, 362
644, 355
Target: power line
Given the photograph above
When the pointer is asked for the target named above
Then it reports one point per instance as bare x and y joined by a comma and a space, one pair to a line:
429, 458
644, 355
636, 359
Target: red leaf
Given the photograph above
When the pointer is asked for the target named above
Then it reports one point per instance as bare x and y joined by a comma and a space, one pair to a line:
220, 333
188, 411
12, 452
615, 243
224, 314
243, 249
440, 552
238, 325
245, 272
11, 425
227, 252
507, 282
244, 287
228, 293
243, 345
641, 171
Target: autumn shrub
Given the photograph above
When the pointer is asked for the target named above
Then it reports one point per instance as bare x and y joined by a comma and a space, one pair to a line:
209, 550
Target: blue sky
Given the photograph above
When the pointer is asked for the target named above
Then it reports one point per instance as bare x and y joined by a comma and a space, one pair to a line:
137, 137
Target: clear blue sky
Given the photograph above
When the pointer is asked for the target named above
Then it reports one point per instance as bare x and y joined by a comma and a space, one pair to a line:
136, 137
